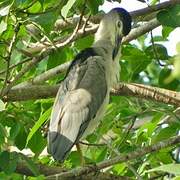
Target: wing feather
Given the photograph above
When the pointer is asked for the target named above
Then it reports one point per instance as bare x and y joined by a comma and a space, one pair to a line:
77, 102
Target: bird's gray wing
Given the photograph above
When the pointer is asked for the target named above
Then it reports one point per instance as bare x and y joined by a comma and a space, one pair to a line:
77, 102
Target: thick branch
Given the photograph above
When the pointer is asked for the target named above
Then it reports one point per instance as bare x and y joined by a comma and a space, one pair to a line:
60, 24
150, 9
135, 33
119, 159
123, 89
22, 168
148, 92
46, 75
32, 92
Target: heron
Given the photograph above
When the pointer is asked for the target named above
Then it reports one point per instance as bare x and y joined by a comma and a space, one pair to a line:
84, 94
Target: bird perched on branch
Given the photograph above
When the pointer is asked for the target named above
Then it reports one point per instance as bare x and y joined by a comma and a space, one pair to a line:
84, 94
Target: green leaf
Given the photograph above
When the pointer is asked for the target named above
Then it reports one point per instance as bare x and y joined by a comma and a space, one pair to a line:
137, 60
176, 70
8, 161
74, 157
166, 31
170, 168
159, 38
119, 168
41, 177
165, 133
20, 140
164, 74
42, 66
164, 156
2, 134
160, 51
102, 155
94, 5
67, 7
2, 105
83, 43
44, 117
170, 17
31, 165
15, 130
37, 143
56, 58
4, 159
46, 20
176, 178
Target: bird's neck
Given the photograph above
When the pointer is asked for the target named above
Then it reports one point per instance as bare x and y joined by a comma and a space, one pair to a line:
108, 47
104, 47
103, 43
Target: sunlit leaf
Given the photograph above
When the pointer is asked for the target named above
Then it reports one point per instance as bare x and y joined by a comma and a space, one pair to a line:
5, 10
2, 105
3, 26
43, 118
67, 7
170, 168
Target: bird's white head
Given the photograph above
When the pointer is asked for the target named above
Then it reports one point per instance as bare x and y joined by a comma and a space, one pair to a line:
113, 26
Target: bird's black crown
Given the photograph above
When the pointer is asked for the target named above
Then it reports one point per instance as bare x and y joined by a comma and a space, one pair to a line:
126, 19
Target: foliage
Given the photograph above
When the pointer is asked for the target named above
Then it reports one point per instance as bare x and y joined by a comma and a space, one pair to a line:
23, 124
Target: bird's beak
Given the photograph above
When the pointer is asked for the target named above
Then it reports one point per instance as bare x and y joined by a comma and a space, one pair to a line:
117, 45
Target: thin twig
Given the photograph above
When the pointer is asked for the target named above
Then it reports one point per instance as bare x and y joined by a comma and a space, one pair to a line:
119, 159
8, 58
67, 41
138, 176
118, 154
23, 71
127, 131
17, 64
85, 23
154, 49
43, 32
92, 144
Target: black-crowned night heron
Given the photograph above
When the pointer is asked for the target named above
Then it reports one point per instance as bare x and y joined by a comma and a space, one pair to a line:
84, 94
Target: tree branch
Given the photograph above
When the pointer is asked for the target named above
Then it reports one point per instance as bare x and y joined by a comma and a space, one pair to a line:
8, 58
118, 159
71, 22
22, 168
123, 89
61, 68
148, 92
60, 24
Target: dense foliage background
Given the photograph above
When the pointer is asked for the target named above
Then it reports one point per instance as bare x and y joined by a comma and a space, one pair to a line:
39, 35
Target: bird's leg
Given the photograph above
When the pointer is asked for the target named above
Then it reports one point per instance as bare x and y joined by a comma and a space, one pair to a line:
82, 160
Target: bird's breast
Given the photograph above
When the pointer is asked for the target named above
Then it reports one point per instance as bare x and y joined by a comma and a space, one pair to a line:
112, 73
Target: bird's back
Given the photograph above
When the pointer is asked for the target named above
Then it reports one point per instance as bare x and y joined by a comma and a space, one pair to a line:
79, 97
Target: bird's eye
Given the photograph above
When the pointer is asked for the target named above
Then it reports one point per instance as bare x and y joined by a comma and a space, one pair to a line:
119, 24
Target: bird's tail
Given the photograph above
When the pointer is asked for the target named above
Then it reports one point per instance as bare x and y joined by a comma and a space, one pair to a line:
59, 145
